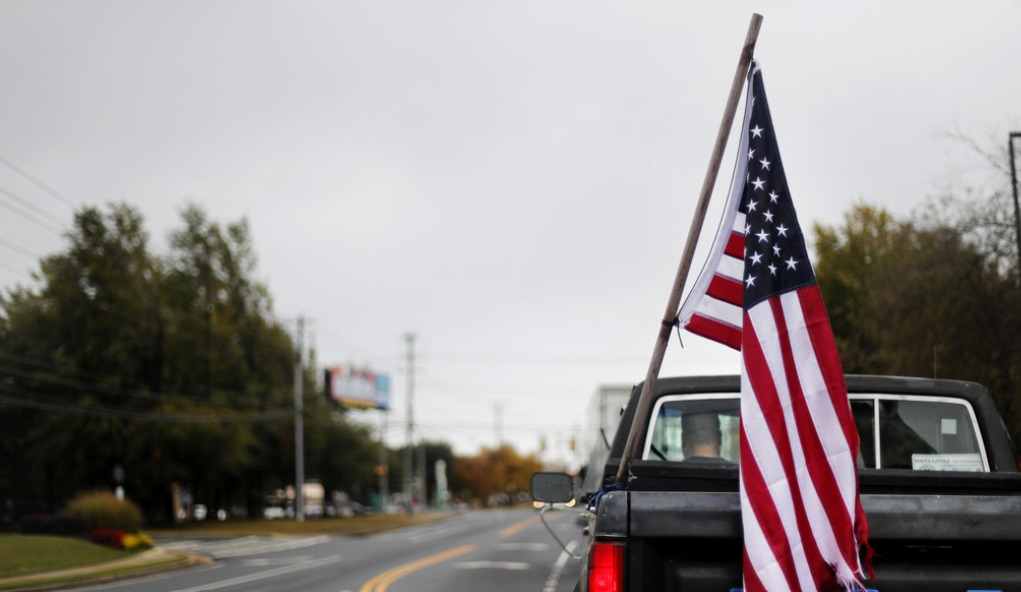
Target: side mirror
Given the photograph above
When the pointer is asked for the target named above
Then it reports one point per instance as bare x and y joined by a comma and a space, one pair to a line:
552, 488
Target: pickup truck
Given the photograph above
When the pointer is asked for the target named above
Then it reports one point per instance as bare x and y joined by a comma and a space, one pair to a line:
939, 482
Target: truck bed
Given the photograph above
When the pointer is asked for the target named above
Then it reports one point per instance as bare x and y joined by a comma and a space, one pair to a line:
688, 537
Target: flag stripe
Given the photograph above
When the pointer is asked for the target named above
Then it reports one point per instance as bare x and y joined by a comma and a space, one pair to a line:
722, 313
770, 550
731, 268
752, 583
825, 347
767, 389
735, 245
727, 290
713, 329
823, 488
823, 386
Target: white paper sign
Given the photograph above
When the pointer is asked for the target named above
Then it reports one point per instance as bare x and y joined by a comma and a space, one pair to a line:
947, 462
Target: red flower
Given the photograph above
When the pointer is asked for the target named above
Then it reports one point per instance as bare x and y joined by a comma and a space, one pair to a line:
113, 537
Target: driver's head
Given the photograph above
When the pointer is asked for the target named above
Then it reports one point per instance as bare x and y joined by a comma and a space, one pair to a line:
700, 433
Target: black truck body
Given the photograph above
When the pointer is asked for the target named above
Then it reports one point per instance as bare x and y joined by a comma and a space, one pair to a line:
938, 476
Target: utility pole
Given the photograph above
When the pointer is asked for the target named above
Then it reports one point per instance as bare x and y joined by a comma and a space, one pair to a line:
1017, 211
498, 419
384, 465
409, 460
299, 426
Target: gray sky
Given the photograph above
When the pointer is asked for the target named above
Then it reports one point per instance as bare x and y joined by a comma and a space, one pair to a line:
512, 181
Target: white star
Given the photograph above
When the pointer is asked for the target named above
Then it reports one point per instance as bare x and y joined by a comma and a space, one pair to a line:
772, 269
769, 216
756, 131
756, 258
782, 230
758, 183
765, 163
776, 250
750, 281
773, 196
751, 154
791, 263
752, 205
763, 236
747, 228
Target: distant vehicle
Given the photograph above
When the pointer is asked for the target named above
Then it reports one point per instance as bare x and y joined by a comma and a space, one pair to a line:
274, 513
938, 477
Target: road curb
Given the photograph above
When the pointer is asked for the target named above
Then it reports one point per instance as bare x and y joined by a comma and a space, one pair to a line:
154, 560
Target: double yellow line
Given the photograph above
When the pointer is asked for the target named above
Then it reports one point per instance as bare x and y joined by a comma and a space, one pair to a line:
381, 582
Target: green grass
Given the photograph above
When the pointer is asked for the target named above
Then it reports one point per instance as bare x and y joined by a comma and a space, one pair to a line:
40, 558
23, 554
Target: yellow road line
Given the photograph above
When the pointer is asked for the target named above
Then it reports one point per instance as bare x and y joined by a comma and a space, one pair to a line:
382, 581
516, 528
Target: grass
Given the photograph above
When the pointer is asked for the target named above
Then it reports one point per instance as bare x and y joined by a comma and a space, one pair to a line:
24, 554
38, 561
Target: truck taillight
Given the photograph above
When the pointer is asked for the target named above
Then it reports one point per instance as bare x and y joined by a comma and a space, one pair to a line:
606, 568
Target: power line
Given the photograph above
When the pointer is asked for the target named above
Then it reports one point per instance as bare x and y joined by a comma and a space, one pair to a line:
19, 249
117, 413
27, 204
488, 426
31, 218
51, 191
497, 358
96, 389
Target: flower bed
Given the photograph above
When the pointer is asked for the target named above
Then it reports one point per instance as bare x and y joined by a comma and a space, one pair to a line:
118, 539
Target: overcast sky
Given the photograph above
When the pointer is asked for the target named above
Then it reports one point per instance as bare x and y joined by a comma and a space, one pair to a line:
513, 182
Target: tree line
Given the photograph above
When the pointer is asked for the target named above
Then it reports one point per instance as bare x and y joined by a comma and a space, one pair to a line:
144, 370
936, 294
165, 375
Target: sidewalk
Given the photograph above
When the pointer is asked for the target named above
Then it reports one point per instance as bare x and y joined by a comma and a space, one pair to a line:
146, 562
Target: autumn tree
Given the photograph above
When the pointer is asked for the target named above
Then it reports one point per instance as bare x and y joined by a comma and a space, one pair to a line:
493, 474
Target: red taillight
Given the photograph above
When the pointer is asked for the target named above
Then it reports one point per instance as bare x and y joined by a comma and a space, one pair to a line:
606, 568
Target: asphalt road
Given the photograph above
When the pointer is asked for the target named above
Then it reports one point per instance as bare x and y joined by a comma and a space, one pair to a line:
493, 550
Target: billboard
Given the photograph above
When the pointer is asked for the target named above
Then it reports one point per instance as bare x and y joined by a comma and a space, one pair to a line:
361, 388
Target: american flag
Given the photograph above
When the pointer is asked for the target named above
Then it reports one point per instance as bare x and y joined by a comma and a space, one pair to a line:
804, 528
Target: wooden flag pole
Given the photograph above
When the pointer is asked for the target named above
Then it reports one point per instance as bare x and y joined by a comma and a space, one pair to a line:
663, 338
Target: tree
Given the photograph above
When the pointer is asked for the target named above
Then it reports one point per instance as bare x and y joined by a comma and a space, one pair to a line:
109, 363
923, 300
846, 268
89, 336
338, 453
494, 475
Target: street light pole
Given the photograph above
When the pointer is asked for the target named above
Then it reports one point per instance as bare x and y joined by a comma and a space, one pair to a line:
1017, 210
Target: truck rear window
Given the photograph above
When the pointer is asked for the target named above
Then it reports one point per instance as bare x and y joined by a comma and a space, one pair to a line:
896, 431
695, 428
920, 434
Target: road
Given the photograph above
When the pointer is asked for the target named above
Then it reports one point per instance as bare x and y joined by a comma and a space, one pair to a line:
492, 550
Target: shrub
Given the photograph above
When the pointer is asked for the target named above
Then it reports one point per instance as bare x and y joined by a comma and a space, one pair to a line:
102, 509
